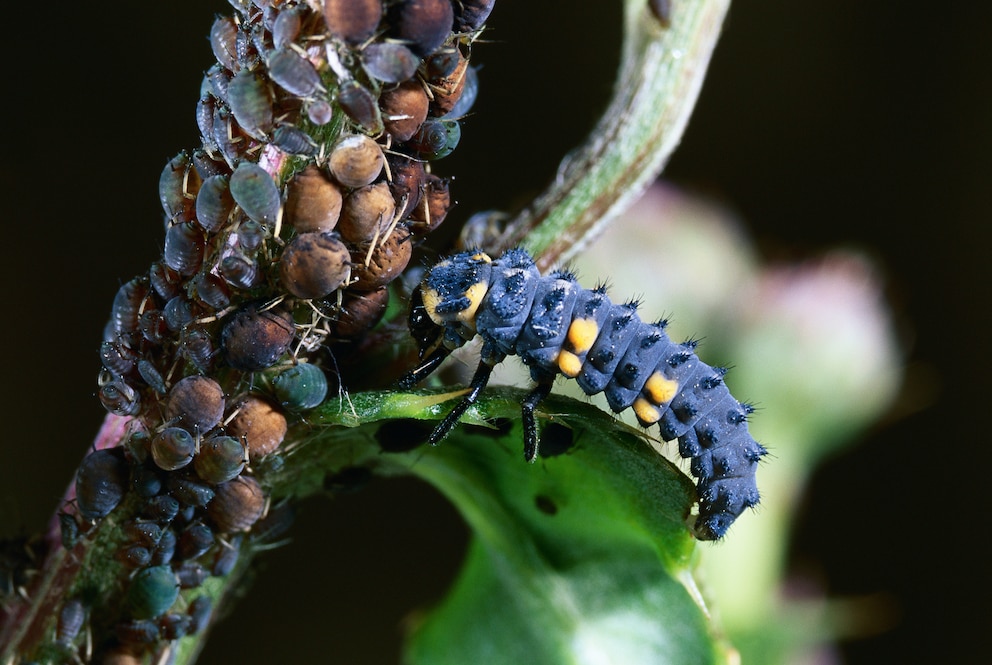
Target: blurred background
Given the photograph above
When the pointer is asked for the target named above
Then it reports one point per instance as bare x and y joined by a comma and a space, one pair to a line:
821, 125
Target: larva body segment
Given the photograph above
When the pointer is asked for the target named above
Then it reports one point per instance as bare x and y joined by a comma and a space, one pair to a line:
558, 327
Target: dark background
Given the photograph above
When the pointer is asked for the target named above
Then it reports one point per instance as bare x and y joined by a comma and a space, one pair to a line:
823, 124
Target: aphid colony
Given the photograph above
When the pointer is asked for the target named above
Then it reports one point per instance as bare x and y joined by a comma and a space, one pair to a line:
282, 232
557, 327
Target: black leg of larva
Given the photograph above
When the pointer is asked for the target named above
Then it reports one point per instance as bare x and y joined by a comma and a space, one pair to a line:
530, 424
478, 384
424, 369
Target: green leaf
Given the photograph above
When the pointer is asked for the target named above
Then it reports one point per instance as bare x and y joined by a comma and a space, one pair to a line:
582, 557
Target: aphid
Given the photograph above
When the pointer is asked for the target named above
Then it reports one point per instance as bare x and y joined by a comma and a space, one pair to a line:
254, 338
226, 557
390, 62
385, 263
352, 21
466, 99
152, 592
367, 213
293, 73
177, 313
146, 481
355, 160
250, 234
435, 202
117, 357
68, 530
166, 547
196, 403
300, 387
239, 272
153, 327
190, 492
254, 190
164, 280
360, 105
191, 574
237, 505
259, 424
211, 290
286, 26
250, 99
227, 136
320, 112
173, 448
162, 509
313, 265
134, 556
177, 187
184, 247
557, 327
137, 632
662, 10
127, 306
175, 626
448, 88
436, 138
423, 24
150, 375
119, 398
407, 180
143, 532
100, 483
223, 38
471, 15
199, 611
293, 141
313, 201
359, 313
198, 348
71, 619
214, 203
194, 541
205, 163
221, 458
404, 109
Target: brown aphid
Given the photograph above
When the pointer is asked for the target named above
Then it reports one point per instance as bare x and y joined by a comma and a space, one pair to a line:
422, 24
253, 340
214, 203
259, 424
313, 202
237, 504
293, 73
196, 403
434, 205
360, 105
352, 21
356, 160
447, 89
359, 313
223, 42
407, 180
404, 109
390, 62
367, 213
386, 263
313, 265
177, 187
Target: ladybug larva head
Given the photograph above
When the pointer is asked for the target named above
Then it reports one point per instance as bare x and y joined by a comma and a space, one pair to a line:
454, 288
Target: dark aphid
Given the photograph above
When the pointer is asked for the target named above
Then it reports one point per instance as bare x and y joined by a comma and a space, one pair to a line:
386, 262
250, 99
164, 280
161, 509
206, 165
173, 448
255, 191
404, 109
191, 574
218, 81
223, 39
177, 187
294, 73
320, 112
314, 265
146, 480
390, 62
71, 619
152, 592
134, 556
294, 141
254, 339
469, 93
154, 329
313, 201
557, 327
143, 532
447, 89
175, 626
68, 530
230, 140
355, 160
117, 357
196, 403
198, 348
138, 632
237, 505
436, 138
359, 313
367, 213
188, 491
205, 110
194, 541
151, 376
286, 26
259, 424
662, 10
184, 247
214, 203
166, 547
352, 21
250, 234
226, 556
471, 15
127, 306
119, 398
407, 181
245, 44
435, 202
211, 290
221, 458
138, 447
361, 106
199, 611
300, 387
424, 24
239, 272
442, 64
178, 313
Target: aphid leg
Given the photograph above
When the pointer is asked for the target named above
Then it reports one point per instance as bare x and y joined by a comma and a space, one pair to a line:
424, 369
478, 384
530, 403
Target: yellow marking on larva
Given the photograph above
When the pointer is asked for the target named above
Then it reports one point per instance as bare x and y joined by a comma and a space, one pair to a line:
582, 333
431, 300
569, 364
646, 412
482, 256
660, 390
475, 294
